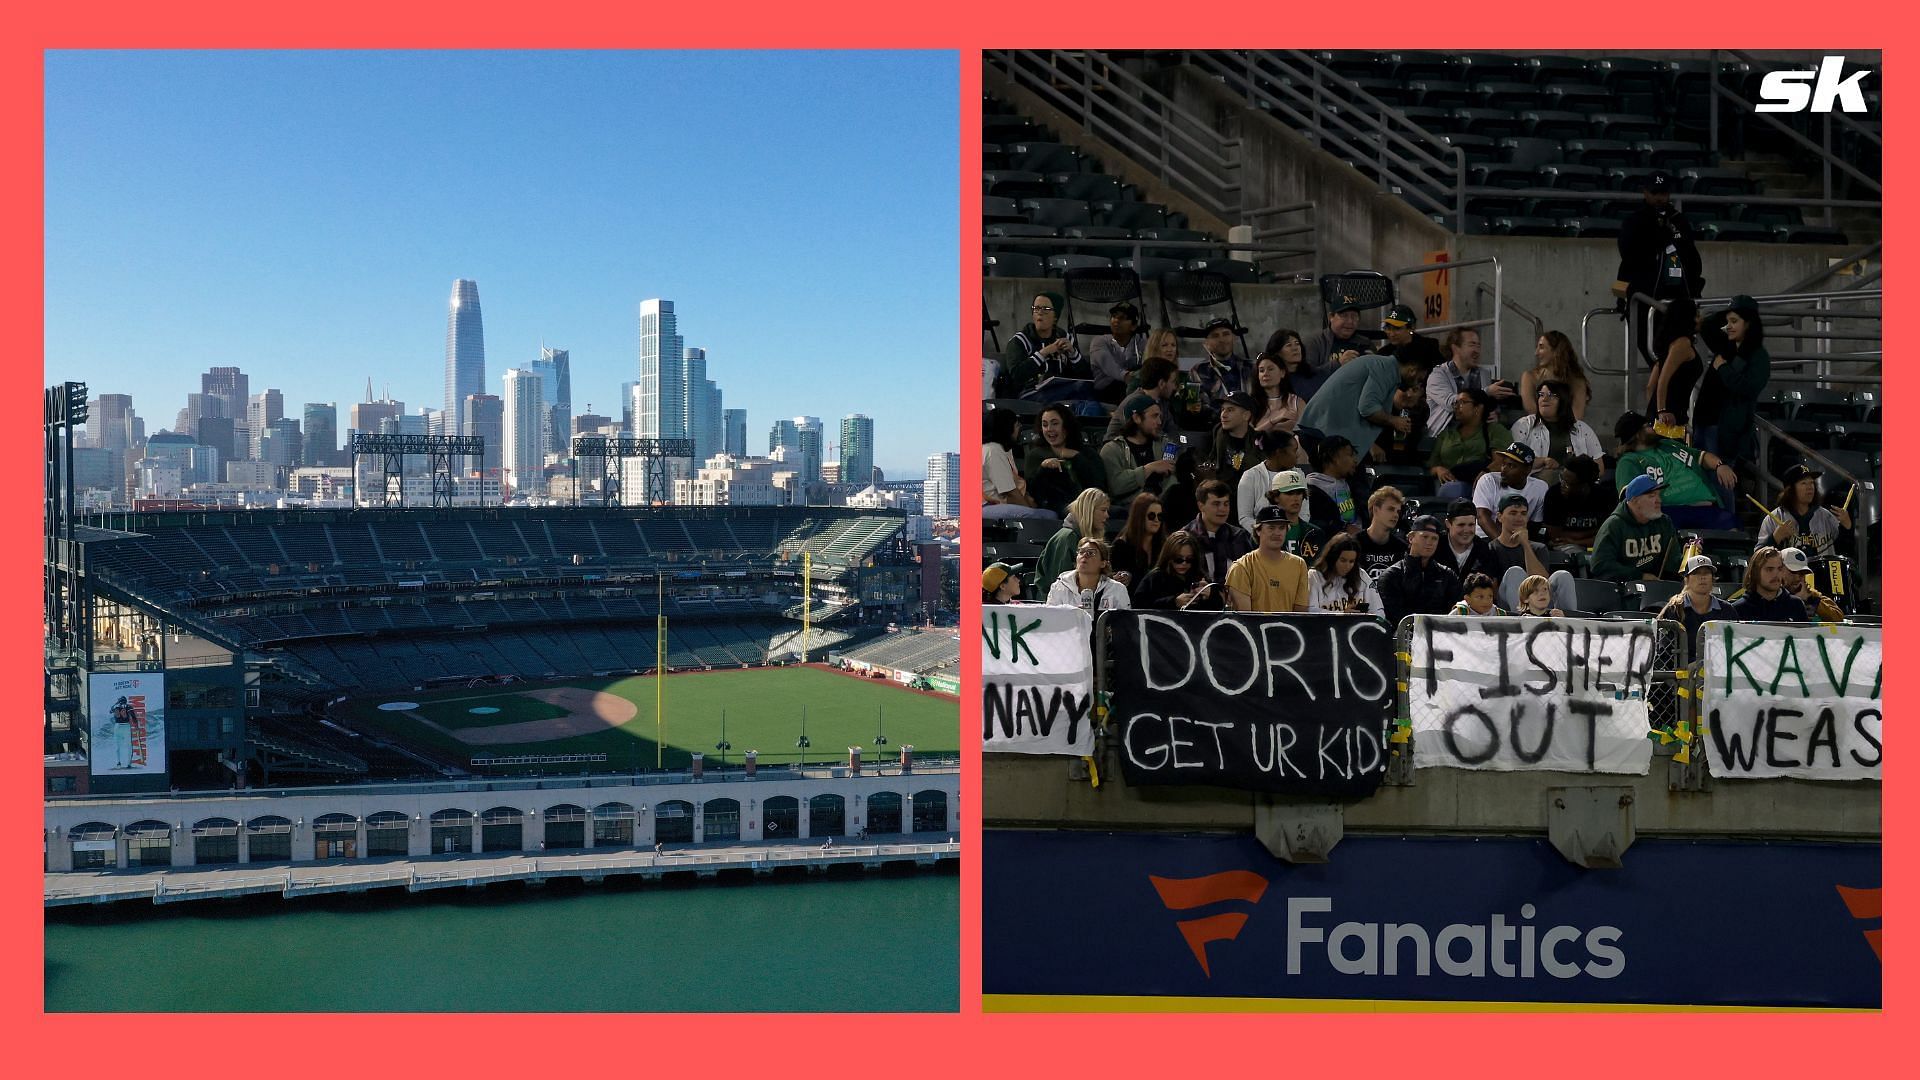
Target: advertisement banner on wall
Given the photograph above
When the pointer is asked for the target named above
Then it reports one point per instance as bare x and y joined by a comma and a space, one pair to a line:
126, 716
1421, 919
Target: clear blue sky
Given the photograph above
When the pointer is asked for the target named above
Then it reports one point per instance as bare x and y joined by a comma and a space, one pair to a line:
303, 215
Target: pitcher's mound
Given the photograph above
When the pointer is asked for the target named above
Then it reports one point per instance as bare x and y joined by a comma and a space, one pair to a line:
588, 712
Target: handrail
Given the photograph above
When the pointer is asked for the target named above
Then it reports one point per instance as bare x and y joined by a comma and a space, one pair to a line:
1386, 138
1209, 166
1498, 293
1859, 257
1828, 160
1539, 327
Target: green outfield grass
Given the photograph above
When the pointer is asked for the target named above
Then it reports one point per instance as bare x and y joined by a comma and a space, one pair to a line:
762, 707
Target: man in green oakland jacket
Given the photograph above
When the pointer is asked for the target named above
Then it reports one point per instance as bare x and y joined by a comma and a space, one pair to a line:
1637, 542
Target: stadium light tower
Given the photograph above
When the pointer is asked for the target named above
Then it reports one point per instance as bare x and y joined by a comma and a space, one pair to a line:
803, 743
723, 745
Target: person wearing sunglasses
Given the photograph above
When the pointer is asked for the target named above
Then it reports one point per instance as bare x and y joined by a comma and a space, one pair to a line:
1178, 581
1140, 542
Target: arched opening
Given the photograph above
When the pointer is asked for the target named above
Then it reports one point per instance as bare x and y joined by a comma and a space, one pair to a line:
336, 836
930, 811
883, 812
673, 822
149, 843
720, 820
613, 825
269, 839
387, 833
827, 815
500, 830
216, 842
451, 832
566, 827
93, 845
783, 818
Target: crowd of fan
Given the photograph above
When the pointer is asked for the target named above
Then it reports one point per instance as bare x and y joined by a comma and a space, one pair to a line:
1244, 484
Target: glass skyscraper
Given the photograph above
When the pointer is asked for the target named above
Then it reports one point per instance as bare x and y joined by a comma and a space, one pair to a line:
660, 397
856, 450
466, 352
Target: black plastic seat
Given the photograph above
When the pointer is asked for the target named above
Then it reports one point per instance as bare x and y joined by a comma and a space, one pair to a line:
1494, 123
1528, 151
1044, 157
1132, 215
993, 209
1602, 153
1091, 186
1581, 177
1234, 270
1016, 184
1736, 230
1014, 264
1557, 124
1626, 126
1060, 213
1704, 181
1442, 93
1672, 155
1513, 96
1059, 264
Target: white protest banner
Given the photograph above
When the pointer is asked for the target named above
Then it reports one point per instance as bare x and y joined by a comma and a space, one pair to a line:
1037, 663
1792, 700
1567, 695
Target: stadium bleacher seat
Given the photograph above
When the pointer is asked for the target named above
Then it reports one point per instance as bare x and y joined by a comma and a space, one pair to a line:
1015, 264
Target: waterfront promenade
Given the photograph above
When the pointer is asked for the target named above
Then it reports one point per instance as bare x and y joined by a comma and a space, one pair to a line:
423, 873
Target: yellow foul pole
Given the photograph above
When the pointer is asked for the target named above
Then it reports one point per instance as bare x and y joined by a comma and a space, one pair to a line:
659, 672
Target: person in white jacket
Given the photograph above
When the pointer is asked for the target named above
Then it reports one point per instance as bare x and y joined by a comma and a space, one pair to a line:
1554, 434
1336, 584
1087, 585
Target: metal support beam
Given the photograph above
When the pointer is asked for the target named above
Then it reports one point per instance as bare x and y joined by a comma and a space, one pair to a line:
441, 452
655, 455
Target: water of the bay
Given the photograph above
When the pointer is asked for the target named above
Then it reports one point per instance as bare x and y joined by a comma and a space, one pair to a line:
869, 944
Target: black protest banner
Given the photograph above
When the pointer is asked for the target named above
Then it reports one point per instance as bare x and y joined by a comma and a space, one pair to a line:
1294, 704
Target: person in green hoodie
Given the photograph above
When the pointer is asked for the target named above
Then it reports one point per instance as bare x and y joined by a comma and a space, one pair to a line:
1637, 542
1737, 376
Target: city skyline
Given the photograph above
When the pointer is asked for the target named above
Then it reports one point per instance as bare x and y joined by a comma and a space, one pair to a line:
202, 264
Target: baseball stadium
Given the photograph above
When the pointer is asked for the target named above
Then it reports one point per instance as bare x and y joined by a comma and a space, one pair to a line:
342, 684
1432, 541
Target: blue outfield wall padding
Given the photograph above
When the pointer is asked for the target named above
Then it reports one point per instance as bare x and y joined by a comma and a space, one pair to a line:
1682, 923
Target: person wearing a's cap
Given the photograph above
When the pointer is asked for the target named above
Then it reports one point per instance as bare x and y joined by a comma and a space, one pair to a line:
1739, 369
1799, 520
1700, 483
1466, 448
1763, 596
1331, 503
1799, 584
1234, 443
1695, 604
1637, 542
1136, 460
1222, 371
1398, 324
1119, 354
1000, 584
1418, 584
1362, 400
1269, 578
1461, 370
1041, 350
1657, 256
1511, 472
1325, 351
1288, 493
1280, 451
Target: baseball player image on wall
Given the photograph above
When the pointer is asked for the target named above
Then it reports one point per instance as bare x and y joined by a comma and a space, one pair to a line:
128, 733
